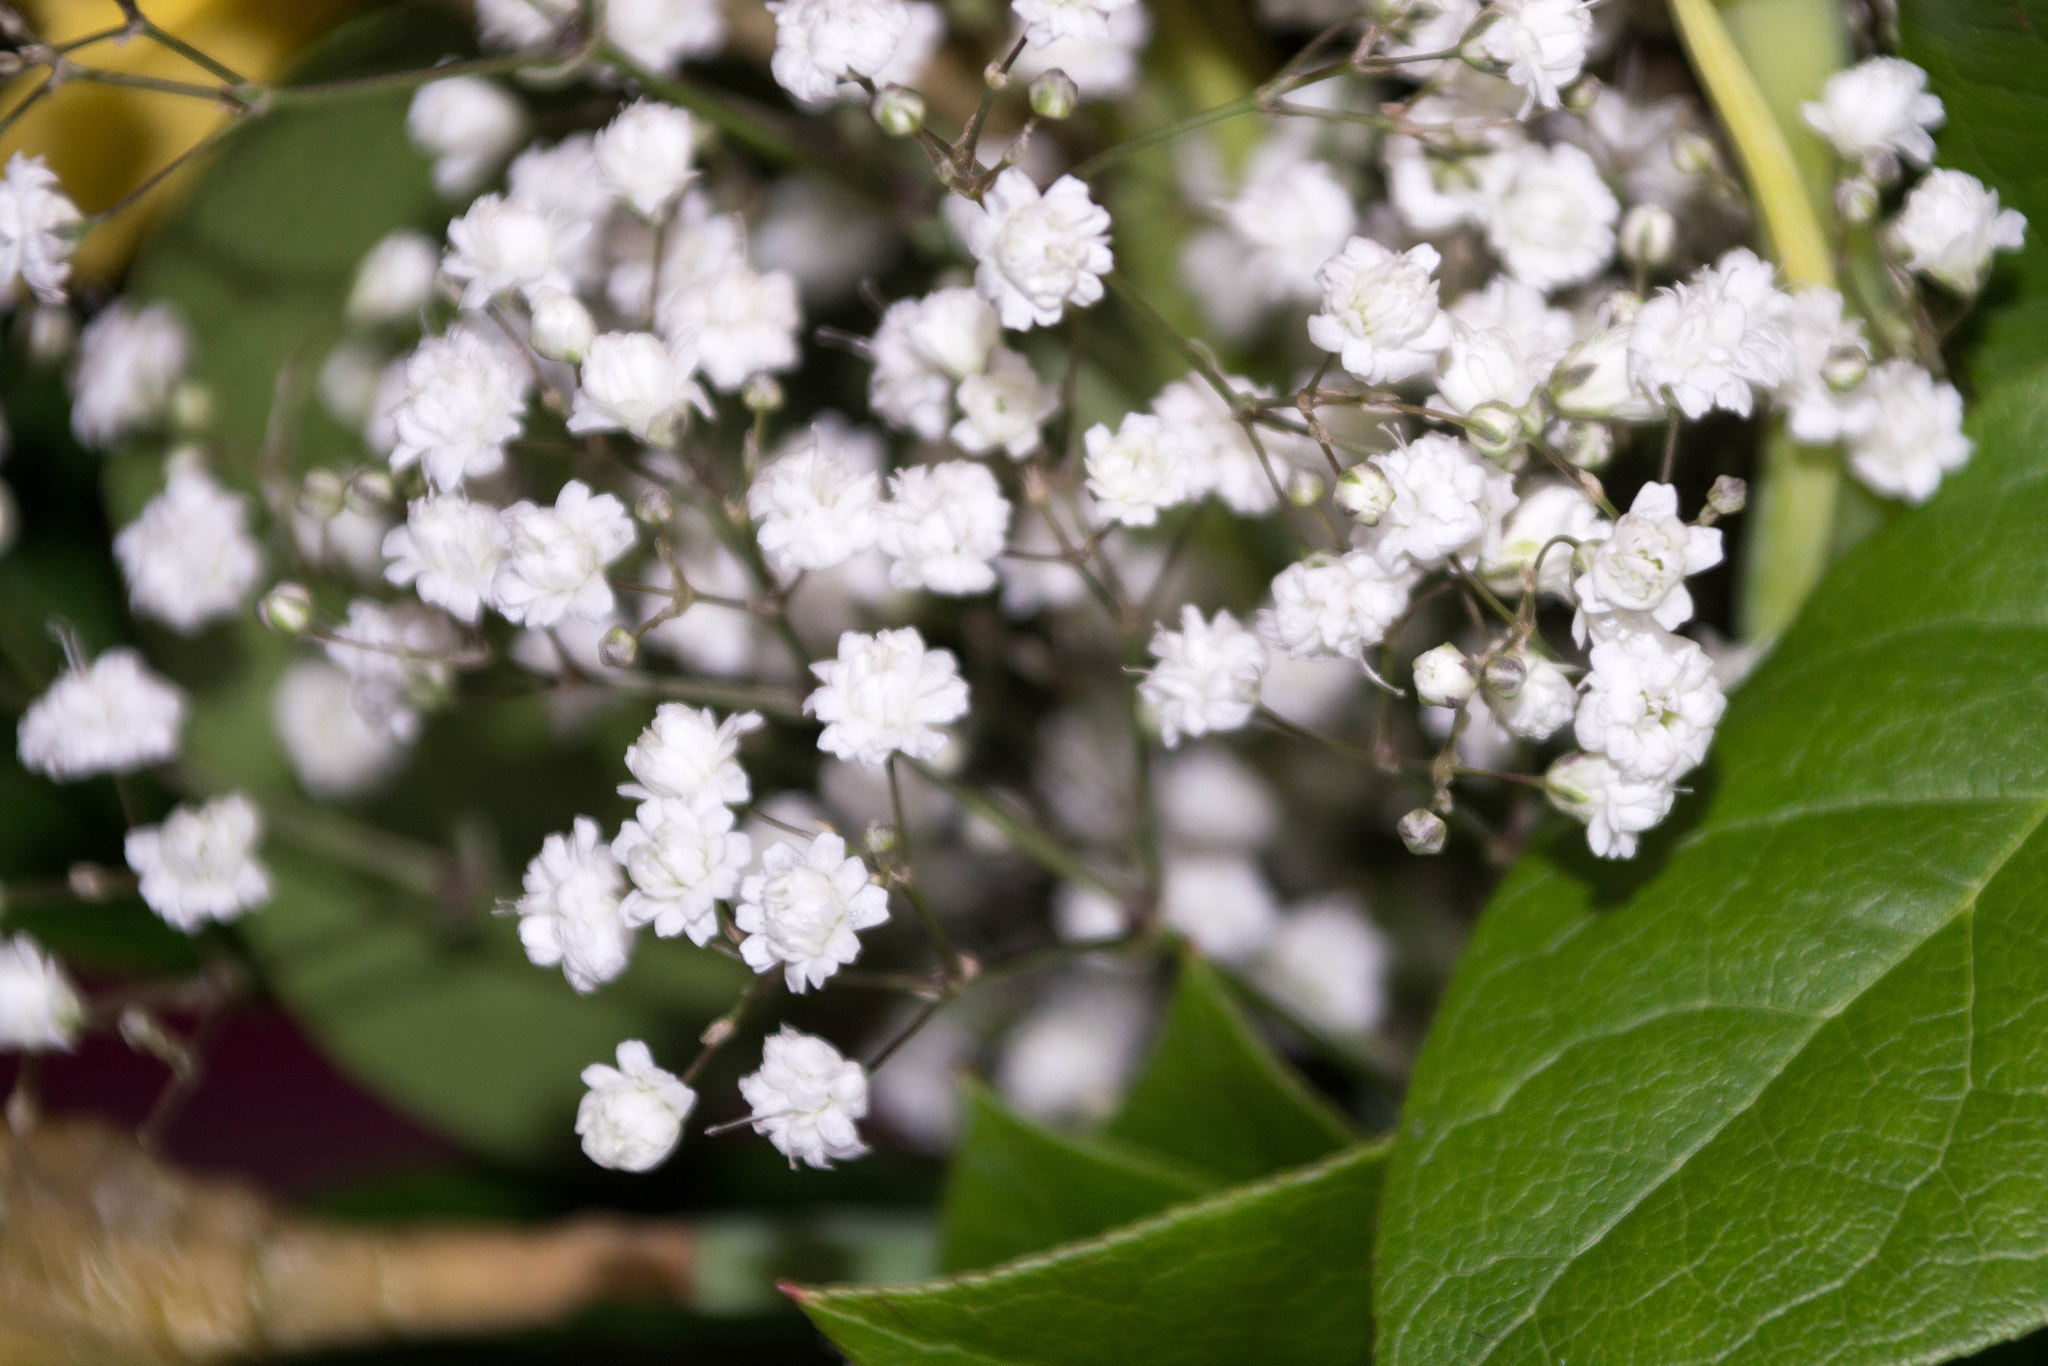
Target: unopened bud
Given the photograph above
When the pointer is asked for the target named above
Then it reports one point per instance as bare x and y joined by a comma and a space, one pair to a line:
562, 327
1857, 200
1694, 153
1648, 236
287, 609
1304, 488
1473, 51
995, 76
1845, 368
763, 394
192, 407
880, 838
1588, 445
898, 111
371, 491
1494, 429
654, 508
1423, 831
1572, 781
1365, 493
618, 648
1505, 675
1728, 496
1582, 94
52, 331
1054, 95
90, 882
322, 494
1443, 676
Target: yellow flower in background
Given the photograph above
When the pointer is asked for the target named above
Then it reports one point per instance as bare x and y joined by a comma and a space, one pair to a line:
104, 140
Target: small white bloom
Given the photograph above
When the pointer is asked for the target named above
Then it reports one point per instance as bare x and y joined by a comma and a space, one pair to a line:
1615, 809
683, 857
1207, 677
129, 361
1082, 914
111, 716
562, 327
1328, 963
1877, 111
1101, 68
200, 864
1952, 225
647, 153
885, 694
1199, 426
1292, 215
512, 25
1482, 367
660, 34
1814, 412
1340, 606
502, 246
806, 1098
687, 753
1137, 470
923, 349
189, 558
1547, 511
1540, 45
1053, 21
394, 280
1542, 333
463, 399
1003, 408
468, 125
396, 659
1445, 495
942, 526
565, 182
1380, 313
333, 750
1070, 1060
1444, 677
1713, 340
821, 43
1222, 903
1915, 437
1037, 253
555, 557
805, 909
632, 1117
1651, 704
1551, 219
1642, 565
741, 322
1208, 798
637, 383
39, 1007
448, 551
1546, 701
569, 913
815, 506
36, 223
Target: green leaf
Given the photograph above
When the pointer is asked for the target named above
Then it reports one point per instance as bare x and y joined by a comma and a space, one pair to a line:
1272, 1273
1214, 1097
1015, 1188
1780, 1093
1988, 60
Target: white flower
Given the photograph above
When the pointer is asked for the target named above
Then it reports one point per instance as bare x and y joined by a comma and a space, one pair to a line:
396, 659
1208, 798
468, 125
632, 1117
1199, 427
502, 246
683, 857
200, 864
821, 43
555, 557
1877, 111
1070, 1060
1615, 809
1380, 313
1444, 677
1642, 565
448, 551
36, 223
1328, 963
1222, 903
659, 34
39, 1008
1003, 408
1207, 677
1138, 470
942, 526
687, 753
1651, 704
804, 910
1950, 227
562, 327
925, 347
1547, 511
510, 25
1551, 218
815, 506
1542, 706
111, 716
1542, 333
332, 749
129, 361
1821, 337
885, 693
1713, 340
1101, 68
1036, 253
189, 558
1444, 497
1416, 27
646, 153
464, 398
1052, 21
565, 182
1293, 215
569, 913
1483, 367
637, 383
395, 279
1340, 606
1540, 45
1433, 189
741, 323
806, 1099
1915, 437
914, 51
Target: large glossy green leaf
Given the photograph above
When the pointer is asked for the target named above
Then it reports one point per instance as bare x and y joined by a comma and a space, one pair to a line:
1781, 1093
1272, 1273
1214, 1097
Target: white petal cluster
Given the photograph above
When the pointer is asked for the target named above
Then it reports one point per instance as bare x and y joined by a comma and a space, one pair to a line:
395, 656
110, 716
200, 864
1540, 332
1542, 706
1291, 216
464, 398
1139, 469
335, 752
39, 1007
1547, 510
1714, 340
1638, 571
1003, 407
648, 155
189, 558
448, 551
661, 34
555, 558
683, 856
129, 362
687, 753
1054, 21
37, 220
807, 1099
1338, 606
1207, 677
632, 1116
1101, 68
1816, 411
1328, 963
504, 246
738, 321
570, 913
1036, 253
1483, 367
1445, 497
886, 694
394, 279
639, 384
1877, 112
1221, 902
943, 526
816, 505
1915, 434
510, 25
1952, 225
819, 44
1552, 217
468, 125
1615, 809
1540, 45
1380, 313
1219, 455
923, 349
1651, 703
804, 910
1070, 1060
